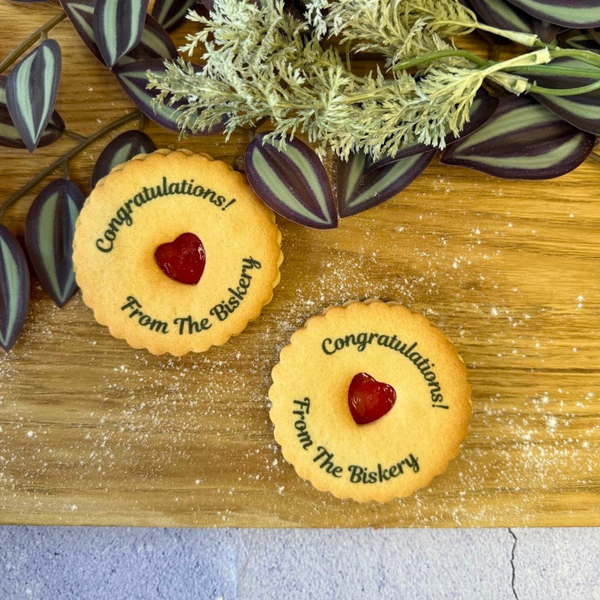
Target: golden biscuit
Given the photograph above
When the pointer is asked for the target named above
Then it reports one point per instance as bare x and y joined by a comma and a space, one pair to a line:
369, 401
174, 252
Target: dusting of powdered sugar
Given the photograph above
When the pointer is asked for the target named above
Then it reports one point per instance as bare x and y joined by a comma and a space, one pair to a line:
87, 423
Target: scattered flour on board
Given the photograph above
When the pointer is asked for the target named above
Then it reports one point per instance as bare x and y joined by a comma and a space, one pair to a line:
197, 427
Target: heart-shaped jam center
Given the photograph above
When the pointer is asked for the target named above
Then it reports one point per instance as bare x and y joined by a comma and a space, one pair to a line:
369, 399
183, 259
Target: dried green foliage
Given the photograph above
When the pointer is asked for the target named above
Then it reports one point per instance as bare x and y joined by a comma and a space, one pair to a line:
261, 62
396, 29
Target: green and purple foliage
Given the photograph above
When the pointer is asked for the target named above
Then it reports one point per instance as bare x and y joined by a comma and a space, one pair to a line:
123, 148
31, 90
14, 289
292, 182
360, 188
9, 136
118, 26
523, 140
49, 231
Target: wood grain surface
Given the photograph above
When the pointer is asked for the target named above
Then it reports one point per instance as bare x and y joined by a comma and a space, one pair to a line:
93, 432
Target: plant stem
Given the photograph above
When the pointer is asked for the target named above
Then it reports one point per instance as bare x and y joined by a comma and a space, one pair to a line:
65, 158
425, 58
74, 135
558, 71
525, 39
591, 58
38, 34
584, 89
494, 52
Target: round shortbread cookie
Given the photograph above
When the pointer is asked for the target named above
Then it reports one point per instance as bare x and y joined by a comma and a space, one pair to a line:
369, 401
199, 289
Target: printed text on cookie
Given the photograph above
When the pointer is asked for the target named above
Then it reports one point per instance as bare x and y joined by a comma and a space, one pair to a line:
326, 460
124, 216
360, 341
188, 324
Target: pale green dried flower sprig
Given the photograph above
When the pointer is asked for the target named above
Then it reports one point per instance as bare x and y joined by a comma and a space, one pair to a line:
392, 28
390, 23
261, 62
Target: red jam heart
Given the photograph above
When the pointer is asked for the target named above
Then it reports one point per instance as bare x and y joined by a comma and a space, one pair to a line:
369, 399
183, 259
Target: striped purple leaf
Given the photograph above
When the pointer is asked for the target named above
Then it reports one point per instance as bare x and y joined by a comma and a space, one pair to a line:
483, 107
9, 136
581, 110
123, 148
523, 140
81, 14
118, 27
14, 289
504, 15
547, 32
31, 90
360, 188
49, 230
292, 182
567, 13
579, 40
155, 42
134, 80
171, 13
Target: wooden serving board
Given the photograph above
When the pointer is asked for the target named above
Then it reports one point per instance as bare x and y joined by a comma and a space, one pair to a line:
93, 432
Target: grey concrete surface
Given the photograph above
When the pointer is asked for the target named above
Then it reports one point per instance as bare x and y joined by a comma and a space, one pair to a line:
46, 563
